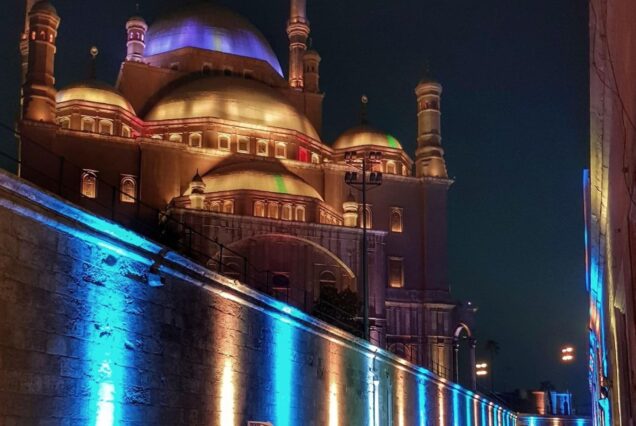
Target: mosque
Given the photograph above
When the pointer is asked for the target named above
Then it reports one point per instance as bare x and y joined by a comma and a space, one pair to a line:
205, 125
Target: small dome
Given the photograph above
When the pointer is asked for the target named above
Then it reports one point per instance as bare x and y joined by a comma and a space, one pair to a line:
44, 6
231, 98
94, 91
258, 176
211, 27
365, 135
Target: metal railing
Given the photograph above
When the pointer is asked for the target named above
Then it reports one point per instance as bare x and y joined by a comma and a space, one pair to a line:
57, 174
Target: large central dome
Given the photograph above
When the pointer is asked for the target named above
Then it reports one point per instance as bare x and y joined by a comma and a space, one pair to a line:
231, 98
211, 27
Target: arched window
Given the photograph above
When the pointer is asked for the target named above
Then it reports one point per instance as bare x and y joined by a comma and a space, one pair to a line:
396, 219
391, 167
259, 209
281, 150
396, 272
272, 210
175, 137
228, 206
327, 279
369, 223
280, 286
262, 147
215, 206
65, 123
128, 188
224, 142
105, 127
207, 69
157, 137
174, 66
89, 184
315, 158
244, 144
303, 155
300, 213
227, 72
196, 140
126, 132
88, 124
287, 212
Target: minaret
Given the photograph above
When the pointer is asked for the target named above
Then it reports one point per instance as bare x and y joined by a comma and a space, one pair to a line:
136, 29
24, 41
429, 156
38, 89
197, 192
311, 61
298, 32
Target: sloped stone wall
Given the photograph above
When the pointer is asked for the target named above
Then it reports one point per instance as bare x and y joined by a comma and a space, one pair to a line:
101, 327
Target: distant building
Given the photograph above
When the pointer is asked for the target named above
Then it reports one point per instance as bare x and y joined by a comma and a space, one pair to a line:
610, 197
542, 402
203, 126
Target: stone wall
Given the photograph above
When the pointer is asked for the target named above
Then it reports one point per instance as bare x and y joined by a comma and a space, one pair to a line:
99, 326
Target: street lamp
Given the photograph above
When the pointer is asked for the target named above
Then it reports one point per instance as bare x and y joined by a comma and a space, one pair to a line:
361, 179
567, 354
481, 369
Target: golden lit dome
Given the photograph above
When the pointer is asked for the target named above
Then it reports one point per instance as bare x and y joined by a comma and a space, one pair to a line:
258, 176
94, 91
211, 27
365, 135
231, 98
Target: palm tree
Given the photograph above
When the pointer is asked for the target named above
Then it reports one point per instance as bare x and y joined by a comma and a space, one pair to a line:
493, 349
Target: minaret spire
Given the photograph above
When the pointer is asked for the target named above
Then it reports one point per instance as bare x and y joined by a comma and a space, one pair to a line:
298, 32
24, 40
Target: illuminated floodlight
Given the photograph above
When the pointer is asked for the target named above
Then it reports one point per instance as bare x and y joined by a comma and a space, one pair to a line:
481, 369
567, 354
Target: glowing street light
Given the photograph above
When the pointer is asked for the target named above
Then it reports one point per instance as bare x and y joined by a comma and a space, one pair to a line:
567, 354
481, 370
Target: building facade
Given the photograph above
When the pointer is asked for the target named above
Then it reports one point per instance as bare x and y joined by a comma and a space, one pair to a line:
203, 126
610, 214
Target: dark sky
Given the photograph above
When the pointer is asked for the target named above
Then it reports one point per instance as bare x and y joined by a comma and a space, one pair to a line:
515, 129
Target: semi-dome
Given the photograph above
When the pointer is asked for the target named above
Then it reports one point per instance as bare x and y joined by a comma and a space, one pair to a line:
94, 91
211, 27
231, 98
44, 6
258, 176
365, 135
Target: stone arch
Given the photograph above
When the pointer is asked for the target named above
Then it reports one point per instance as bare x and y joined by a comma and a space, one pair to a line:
304, 261
462, 327
464, 356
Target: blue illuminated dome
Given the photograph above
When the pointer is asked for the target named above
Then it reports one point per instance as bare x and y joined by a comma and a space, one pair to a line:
211, 27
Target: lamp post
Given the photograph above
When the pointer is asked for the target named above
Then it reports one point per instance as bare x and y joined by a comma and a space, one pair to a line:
568, 355
361, 180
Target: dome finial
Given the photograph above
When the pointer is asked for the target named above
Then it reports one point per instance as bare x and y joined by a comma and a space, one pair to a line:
427, 74
364, 101
92, 71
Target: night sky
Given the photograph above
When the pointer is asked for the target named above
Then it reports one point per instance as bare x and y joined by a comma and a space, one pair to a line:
515, 130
